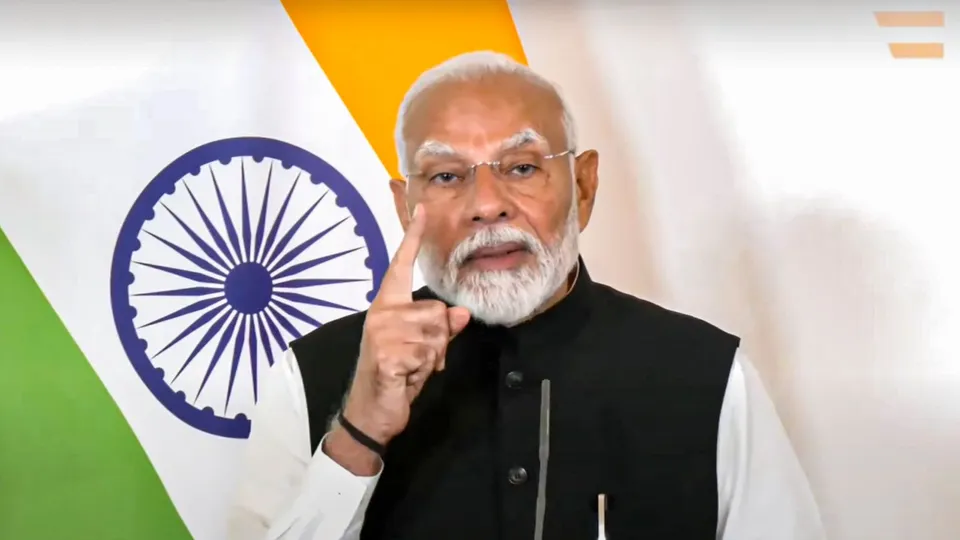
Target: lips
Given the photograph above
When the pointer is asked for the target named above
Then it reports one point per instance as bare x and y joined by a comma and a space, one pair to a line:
496, 251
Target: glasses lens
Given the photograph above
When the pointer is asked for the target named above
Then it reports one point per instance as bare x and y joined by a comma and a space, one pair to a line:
524, 171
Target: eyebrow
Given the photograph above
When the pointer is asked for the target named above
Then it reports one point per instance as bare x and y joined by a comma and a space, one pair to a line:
522, 138
436, 149
432, 148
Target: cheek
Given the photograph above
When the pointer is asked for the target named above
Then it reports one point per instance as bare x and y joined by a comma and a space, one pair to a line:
439, 238
445, 228
546, 217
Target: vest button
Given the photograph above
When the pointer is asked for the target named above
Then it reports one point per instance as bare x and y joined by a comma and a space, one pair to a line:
517, 475
514, 379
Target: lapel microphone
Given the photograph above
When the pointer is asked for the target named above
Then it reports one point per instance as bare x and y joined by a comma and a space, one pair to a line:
544, 458
602, 517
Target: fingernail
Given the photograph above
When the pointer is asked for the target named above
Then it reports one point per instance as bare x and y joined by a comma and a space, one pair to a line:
416, 210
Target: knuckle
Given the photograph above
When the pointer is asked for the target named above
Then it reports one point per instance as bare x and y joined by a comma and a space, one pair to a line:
427, 353
382, 357
374, 321
432, 306
438, 308
387, 370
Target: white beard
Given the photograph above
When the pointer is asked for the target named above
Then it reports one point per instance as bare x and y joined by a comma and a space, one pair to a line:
504, 297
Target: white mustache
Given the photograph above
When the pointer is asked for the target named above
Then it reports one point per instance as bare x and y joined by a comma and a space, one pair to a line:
492, 237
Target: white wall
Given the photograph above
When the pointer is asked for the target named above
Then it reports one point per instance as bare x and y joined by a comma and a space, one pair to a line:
777, 172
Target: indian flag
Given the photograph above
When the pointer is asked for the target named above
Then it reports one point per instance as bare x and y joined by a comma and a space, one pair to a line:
185, 187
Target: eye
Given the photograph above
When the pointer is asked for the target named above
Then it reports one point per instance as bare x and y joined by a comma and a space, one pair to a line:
444, 178
523, 170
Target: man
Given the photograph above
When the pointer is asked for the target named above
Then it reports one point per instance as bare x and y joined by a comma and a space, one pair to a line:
428, 417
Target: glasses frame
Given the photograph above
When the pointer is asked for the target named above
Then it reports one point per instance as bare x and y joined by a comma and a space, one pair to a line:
494, 165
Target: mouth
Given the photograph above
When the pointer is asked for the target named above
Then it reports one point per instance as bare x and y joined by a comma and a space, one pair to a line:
503, 256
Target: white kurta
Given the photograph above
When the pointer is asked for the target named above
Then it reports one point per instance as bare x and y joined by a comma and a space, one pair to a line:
287, 494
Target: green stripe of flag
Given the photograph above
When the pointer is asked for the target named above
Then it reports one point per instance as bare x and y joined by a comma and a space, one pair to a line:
70, 466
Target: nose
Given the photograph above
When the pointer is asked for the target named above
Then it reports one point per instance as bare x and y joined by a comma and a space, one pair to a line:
489, 203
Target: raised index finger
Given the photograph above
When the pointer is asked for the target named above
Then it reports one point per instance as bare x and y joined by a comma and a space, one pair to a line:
397, 286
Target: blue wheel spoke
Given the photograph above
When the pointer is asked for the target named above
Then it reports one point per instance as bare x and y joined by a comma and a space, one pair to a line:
304, 266
262, 220
295, 252
203, 245
296, 313
194, 326
282, 244
184, 293
202, 264
228, 330
186, 310
264, 338
235, 362
245, 213
304, 299
227, 220
212, 331
187, 274
319, 282
252, 346
217, 238
274, 331
272, 235
283, 321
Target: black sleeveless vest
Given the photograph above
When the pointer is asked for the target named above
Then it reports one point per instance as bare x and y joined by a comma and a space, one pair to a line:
636, 392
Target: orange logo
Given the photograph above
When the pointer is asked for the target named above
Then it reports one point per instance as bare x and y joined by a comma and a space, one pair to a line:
912, 19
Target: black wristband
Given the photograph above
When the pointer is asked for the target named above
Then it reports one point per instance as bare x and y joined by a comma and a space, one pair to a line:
360, 436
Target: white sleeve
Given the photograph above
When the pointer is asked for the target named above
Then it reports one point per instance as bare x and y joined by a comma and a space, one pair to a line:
762, 490
283, 493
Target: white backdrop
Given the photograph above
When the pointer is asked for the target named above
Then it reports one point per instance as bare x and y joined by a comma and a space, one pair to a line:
774, 170
771, 168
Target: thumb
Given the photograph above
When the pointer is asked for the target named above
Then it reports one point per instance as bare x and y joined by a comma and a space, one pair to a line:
457, 318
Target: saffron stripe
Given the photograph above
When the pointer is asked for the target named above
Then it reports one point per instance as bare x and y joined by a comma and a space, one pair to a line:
372, 51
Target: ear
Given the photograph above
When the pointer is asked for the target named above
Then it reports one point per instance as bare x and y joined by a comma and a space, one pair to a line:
585, 170
399, 189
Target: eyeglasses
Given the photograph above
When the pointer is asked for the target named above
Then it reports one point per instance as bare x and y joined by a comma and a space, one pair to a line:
523, 172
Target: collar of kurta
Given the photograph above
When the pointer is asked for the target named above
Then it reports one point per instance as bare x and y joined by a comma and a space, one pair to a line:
560, 323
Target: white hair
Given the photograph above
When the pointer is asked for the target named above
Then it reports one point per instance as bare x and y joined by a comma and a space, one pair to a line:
471, 67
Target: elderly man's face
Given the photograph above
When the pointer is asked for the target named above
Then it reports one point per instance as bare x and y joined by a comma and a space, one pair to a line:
494, 230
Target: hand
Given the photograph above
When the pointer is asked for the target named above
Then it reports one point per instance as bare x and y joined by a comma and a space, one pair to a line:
404, 342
